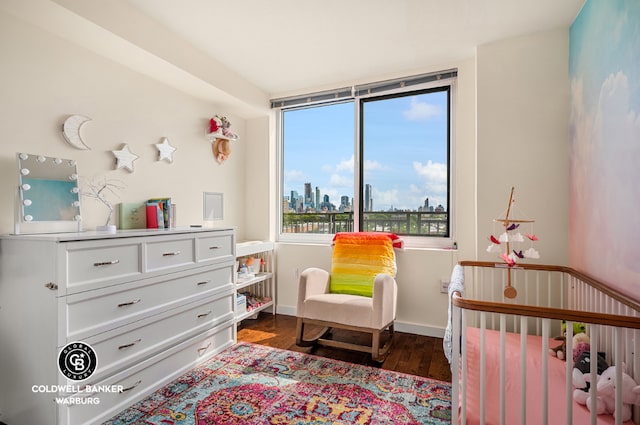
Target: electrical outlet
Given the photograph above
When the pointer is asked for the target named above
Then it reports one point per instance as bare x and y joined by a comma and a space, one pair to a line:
444, 286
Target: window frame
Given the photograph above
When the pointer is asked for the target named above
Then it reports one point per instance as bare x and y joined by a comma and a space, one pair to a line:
426, 242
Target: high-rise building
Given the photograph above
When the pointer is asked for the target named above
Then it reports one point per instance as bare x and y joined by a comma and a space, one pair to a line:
317, 197
368, 197
308, 198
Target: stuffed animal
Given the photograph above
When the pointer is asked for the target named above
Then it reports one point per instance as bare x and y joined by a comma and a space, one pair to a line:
606, 393
581, 373
580, 343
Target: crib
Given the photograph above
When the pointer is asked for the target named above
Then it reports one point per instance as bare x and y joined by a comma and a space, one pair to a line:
498, 347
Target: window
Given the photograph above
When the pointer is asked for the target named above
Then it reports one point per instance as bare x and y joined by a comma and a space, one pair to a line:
368, 162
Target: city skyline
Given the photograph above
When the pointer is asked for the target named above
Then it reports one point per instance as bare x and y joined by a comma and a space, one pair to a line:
314, 201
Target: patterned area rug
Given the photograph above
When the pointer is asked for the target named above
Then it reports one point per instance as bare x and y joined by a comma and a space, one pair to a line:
254, 384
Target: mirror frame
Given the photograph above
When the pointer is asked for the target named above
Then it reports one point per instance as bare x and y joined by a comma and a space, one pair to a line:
59, 190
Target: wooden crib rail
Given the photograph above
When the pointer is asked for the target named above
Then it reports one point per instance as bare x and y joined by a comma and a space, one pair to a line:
546, 312
554, 313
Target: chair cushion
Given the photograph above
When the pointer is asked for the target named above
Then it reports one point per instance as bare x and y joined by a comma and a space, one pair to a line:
357, 259
345, 309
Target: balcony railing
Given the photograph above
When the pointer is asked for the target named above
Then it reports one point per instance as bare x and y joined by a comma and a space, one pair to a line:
411, 223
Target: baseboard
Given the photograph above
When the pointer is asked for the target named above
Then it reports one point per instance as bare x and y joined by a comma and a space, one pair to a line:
412, 328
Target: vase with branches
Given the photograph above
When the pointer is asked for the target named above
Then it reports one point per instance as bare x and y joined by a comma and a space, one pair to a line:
100, 188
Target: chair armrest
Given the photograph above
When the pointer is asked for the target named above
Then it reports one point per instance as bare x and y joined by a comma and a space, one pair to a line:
385, 294
312, 281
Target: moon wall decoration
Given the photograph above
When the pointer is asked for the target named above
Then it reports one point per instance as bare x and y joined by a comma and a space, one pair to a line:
71, 131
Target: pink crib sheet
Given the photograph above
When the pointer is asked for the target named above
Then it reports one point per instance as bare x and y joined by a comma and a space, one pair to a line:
556, 374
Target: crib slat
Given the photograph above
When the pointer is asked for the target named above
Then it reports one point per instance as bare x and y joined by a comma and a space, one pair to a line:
593, 372
545, 370
523, 369
617, 337
455, 361
464, 368
503, 349
568, 372
483, 366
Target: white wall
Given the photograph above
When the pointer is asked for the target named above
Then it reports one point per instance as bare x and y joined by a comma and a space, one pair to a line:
523, 138
44, 79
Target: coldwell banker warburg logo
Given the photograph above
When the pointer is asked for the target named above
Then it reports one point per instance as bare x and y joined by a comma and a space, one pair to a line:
77, 361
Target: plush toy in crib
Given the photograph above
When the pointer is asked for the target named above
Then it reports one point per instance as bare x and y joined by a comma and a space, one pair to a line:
582, 370
580, 341
606, 393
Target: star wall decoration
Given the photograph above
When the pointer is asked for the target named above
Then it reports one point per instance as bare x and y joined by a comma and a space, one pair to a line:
125, 158
165, 150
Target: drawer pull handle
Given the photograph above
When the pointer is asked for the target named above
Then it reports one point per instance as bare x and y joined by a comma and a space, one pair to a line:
131, 387
215, 247
106, 263
170, 254
131, 344
201, 315
130, 303
203, 349
204, 282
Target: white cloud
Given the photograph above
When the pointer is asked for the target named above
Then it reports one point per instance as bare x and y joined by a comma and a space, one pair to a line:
434, 176
294, 176
421, 111
372, 165
346, 165
338, 180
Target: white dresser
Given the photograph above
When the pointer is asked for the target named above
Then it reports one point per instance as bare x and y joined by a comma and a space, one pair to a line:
151, 304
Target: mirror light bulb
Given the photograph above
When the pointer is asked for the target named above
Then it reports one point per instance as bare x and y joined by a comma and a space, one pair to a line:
57, 161
72, 163
26, 186
28, 217
75, 190
76, 203
73, 176
26, 202
77, 218
41, 158
24, 171
23, 156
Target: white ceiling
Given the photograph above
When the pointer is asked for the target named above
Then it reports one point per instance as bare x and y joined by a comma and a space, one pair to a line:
241, 53
285, 46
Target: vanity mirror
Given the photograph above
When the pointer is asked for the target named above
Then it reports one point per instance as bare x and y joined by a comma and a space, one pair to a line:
48, 196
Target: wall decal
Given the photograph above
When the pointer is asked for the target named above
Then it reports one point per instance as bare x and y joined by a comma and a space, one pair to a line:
71, 131
165, 150
125, 158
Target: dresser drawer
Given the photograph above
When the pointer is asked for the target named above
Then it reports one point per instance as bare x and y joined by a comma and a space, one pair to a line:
99, 310
122, 347
212, 248
89, 264
167, 254
149, 375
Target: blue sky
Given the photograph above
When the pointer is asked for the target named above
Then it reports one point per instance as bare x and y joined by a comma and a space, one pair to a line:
405, 150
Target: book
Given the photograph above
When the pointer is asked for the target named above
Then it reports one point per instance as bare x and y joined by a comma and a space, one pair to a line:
132, 215
165, 206
152, 210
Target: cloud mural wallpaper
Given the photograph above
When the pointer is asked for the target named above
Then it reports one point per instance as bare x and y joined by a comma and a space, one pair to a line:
605, 143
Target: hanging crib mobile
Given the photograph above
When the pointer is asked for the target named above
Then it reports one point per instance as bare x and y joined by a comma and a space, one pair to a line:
509, 243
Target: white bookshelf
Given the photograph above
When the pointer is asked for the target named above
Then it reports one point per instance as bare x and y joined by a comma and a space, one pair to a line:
261, 284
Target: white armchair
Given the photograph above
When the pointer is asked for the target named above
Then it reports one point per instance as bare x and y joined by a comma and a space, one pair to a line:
321, 303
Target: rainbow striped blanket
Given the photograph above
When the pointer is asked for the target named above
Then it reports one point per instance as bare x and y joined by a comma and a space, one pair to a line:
358, 258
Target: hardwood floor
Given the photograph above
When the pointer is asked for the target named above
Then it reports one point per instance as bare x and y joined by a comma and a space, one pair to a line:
412, 354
